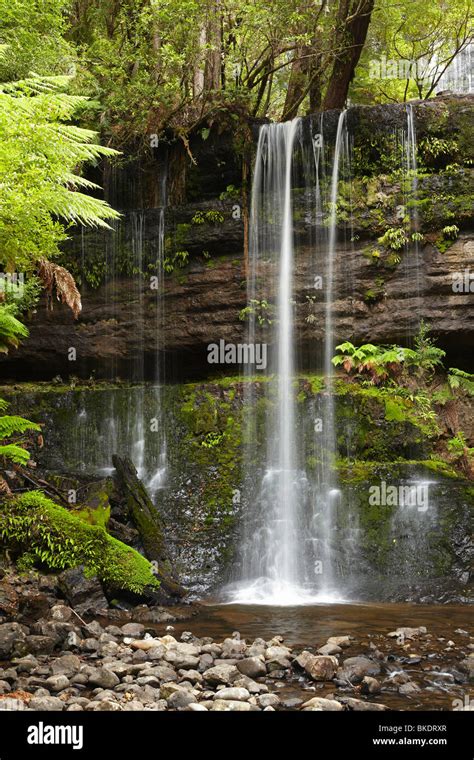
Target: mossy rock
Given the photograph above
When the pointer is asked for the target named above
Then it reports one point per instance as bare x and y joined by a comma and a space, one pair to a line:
54, 537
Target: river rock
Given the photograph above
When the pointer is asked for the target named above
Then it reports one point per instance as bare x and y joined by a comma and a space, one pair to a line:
361, 705
370, 685
229, 705
467, 666
37, 644
84, 594
407, 633
355, 668
47, 704
320, 668
104, 677
146, 644
224, 674
275, 653
57, 682
196, 707
234, 693
252, 686
180, 699
253, 667
135, 630
321, 704
106, 705
181, 661
268, 700
61, 613
11, 636
9, 602
68, 664
409, 688
340, 641
329, 649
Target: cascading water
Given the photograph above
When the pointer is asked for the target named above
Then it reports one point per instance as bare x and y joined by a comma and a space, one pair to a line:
129, 421
288, 536
413, 260
328, 495
271, 564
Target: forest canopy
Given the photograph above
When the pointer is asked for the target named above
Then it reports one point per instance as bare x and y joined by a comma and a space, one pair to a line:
170, 66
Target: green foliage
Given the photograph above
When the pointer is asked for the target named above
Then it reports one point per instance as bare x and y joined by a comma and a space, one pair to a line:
12, 428
450, 232
39, 156
462, 381
417, 40
381, 363
262, 311
209, 217
458, 448
177, 260
212, 439
394, 238
54, 537
12, 331
426, 356
231, 193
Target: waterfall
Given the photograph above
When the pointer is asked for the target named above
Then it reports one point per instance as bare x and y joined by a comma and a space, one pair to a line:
129, 420
271, 562
329, 495
413, 264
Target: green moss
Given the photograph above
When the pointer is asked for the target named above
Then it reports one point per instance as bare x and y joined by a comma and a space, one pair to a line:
55, 537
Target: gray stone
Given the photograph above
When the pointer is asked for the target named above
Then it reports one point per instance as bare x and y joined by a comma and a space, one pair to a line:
221, 674
355, 668
268, 700
361, 705
69, 664
253, 667
319, 667
234, 693
11, 635
229, 705
180, 699
57, 682
329, 649
48, 704
104, 677
133, 629
322, 704
370, 685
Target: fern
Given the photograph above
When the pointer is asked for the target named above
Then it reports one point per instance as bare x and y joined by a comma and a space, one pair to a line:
11, 329
15, 454
9, 425
459, 380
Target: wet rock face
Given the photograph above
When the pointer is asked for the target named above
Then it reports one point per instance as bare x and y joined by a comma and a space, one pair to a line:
374, 300
112, 335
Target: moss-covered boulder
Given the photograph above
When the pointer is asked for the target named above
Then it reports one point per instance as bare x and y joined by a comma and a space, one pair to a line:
46, 534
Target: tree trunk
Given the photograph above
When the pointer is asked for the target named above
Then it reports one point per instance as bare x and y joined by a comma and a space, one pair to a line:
147, 520
297, 85
213, 67
351, 32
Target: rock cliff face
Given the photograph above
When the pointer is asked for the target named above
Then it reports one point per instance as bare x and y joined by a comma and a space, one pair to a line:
380, 294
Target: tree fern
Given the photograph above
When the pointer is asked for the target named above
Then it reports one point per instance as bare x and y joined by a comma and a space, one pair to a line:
40, 153
11, 329
11, 424
459, 380
14, 453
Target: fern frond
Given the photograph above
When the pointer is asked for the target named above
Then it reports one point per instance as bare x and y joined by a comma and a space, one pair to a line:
15, 454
